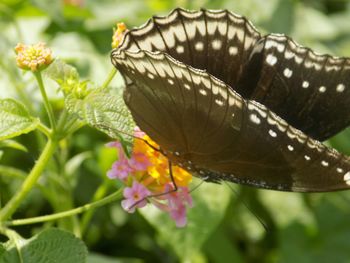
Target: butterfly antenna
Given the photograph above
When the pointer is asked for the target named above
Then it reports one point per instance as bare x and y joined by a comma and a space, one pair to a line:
260, 220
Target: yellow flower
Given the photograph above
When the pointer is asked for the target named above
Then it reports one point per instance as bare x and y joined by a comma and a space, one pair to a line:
118, 34
159, 168
33, 57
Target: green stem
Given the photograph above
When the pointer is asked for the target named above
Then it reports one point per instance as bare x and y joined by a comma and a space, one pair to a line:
46, 100
86, 218
45, 130
109, 78
30, 181
108, 199
6, 171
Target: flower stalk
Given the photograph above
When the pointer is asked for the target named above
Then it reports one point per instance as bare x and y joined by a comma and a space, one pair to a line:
47, 104
108, 199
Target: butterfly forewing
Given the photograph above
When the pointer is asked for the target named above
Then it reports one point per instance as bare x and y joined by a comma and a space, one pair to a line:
216, 41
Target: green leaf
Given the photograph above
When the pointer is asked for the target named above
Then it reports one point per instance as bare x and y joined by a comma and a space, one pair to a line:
282, 19
9, 252
13, 144
281, 203
75, 162
97, 258
61, 72
220, 248
327, 242
15, 119
210, 202
51, 245
105, 112
341, 141
2, 250
12, 172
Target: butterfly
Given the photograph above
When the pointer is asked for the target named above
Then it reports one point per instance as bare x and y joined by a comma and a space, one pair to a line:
227, 103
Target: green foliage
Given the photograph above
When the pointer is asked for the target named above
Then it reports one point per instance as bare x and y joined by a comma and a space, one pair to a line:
104, 111
51, 245
13, 144
15, 119
210, 205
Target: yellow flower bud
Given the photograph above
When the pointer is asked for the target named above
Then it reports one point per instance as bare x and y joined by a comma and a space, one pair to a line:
33, 57
118, 35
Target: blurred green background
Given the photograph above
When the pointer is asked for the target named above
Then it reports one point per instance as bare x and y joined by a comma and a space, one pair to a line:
224, 225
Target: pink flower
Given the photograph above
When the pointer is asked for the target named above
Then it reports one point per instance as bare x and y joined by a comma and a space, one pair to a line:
178, 214
139, 162
138, 133
135, 196
120, 169
115, 144
177, 205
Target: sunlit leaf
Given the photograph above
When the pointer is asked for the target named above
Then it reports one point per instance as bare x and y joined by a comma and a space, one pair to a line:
105, 112
15, 119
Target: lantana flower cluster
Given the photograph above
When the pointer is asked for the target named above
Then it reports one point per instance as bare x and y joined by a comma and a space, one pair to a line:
33, 57
147, 178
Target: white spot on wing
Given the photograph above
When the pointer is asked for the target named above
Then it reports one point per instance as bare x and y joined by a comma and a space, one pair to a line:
307, 158
271, 59
150, 76
280, 47
233, 50
199, 46
322, 89
290, 147
187, 86
203, 92
219, 102
216, 44
287, 72
298, 59
305, 84
170, 81
324, 163
180, 49
272, 133
288, 54
347, 178
254, 118
340, 170
340, 87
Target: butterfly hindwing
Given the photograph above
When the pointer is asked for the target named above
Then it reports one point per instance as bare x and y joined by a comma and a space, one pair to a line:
308, 90
222, 134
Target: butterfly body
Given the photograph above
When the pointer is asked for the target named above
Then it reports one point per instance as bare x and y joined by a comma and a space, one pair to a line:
226, 103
